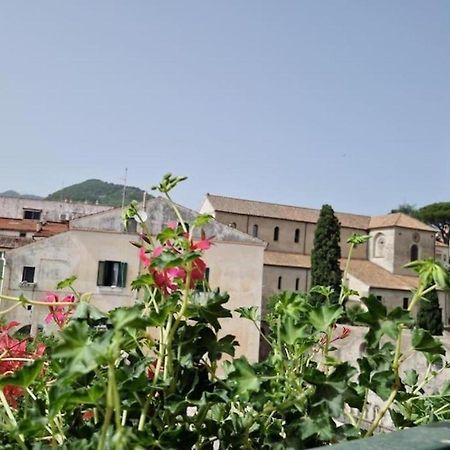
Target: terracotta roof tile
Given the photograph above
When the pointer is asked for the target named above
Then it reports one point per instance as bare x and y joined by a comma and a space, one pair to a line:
273, 210
32, 226
286, 259
398, 220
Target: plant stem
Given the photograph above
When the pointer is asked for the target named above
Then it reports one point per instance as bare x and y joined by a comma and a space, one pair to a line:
395, 388
344, 275
12, 419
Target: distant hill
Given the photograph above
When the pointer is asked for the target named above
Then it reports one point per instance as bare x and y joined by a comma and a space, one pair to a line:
15, 194
93, 191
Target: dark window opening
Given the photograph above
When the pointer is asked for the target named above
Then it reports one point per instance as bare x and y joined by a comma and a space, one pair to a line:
414, 253
297, 236
405, 302
132, 226
232, 225
255, 231
34, 214
22, 234
276, 233
112, 273
280, 282
297, 283
379, 298
28, 274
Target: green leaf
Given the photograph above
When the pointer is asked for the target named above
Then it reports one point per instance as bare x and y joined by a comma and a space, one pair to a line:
67, 283
141, 281
250, 313
23, 377
244, 378
411, 377
423, 341
202, 220
358, 239
128, 317
322, 317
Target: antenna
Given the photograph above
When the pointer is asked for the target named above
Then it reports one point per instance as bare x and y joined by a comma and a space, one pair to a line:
124, 187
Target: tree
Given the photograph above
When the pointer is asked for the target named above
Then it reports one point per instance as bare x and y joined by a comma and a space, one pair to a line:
437, 214
429, 316
325, 269
407, 208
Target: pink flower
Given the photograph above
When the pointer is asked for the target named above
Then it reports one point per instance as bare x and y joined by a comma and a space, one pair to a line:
59, 313
144, 258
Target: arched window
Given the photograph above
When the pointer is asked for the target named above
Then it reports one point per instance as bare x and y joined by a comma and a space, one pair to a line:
255, 230
280, 282
297, 283
276, 233
378, 246
414, 253
297, 235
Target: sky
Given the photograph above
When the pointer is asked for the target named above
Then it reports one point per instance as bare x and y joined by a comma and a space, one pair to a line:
294, 102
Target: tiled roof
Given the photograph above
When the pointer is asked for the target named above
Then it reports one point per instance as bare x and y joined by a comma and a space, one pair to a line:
28, 225
398, 220
273, 210
13, 242
286, 259
377, 277
365, 271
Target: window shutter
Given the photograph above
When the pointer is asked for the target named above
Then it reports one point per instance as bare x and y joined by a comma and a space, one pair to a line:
101, 273
123, 274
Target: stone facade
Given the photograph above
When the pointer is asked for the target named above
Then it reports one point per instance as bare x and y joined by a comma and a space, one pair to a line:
377, 267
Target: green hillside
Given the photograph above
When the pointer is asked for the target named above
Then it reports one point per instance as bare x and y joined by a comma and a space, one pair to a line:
99, 191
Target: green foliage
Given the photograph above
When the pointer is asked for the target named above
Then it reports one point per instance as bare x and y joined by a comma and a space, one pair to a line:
429, 315
325, 269
99, 191
152, 375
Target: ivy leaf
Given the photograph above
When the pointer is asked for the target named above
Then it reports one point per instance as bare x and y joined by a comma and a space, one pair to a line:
321, 318
423, 341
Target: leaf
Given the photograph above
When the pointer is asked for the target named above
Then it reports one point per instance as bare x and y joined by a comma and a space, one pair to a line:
23, 377
202, 219
250, 313
141, 281
244, 378
358, 239
322, 317
423, 341
67, 283
128, 317
411, 377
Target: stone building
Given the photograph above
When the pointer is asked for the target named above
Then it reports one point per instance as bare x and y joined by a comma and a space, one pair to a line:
97, 250
377, 267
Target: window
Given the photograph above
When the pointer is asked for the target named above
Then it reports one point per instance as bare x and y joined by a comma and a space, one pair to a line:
379, 298
297, 283
414, 253
276, 233
297, 235
232, 224
132, 226
280, 282
22, 234
405, 302
112, 273
28, 274
379, 246
255, 230
34, 214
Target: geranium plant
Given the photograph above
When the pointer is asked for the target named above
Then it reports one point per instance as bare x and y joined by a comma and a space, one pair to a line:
147, 376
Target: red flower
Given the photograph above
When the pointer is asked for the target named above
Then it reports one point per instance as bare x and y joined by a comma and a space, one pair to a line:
13, 356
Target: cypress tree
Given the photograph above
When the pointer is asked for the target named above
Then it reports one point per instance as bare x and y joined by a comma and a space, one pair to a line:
325, 269
429, 316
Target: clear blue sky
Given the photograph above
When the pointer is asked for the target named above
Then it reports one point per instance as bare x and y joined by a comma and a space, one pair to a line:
297, 102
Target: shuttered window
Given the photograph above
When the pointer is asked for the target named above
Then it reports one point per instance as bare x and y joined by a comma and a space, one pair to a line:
112, 273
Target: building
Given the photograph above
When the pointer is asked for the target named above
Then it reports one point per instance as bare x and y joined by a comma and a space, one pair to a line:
97, 250
377, 267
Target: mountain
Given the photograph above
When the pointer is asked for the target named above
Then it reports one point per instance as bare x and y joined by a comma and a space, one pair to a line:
11, 193
98, 191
